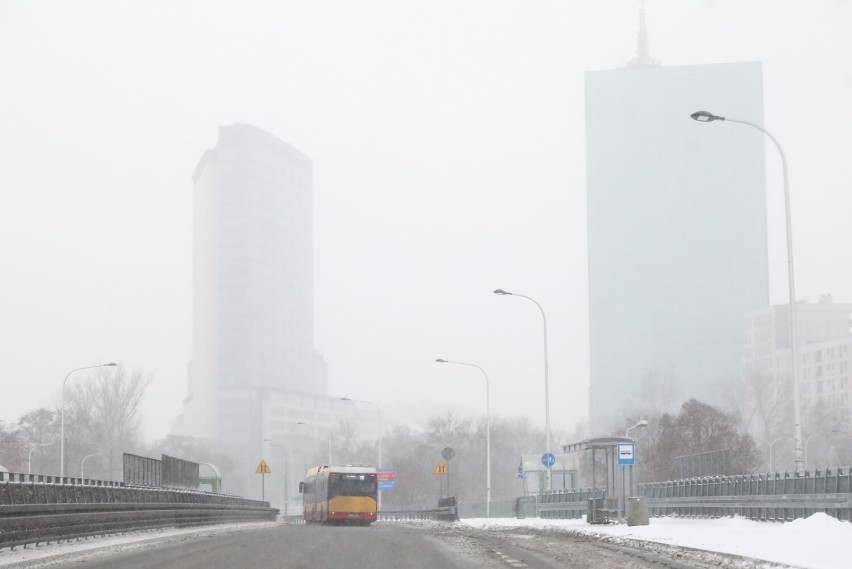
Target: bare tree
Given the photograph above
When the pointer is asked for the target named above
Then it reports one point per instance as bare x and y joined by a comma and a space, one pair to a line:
103, 415
767, 405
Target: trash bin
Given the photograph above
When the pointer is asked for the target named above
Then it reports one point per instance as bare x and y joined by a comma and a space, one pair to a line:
637, 511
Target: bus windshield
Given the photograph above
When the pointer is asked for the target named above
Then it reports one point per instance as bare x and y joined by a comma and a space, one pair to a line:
340, 484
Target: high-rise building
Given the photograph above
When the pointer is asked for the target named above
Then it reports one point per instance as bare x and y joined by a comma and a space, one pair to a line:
825, 368
676, 229
255, 376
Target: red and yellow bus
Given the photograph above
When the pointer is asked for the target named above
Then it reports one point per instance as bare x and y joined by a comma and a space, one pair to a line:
340, 494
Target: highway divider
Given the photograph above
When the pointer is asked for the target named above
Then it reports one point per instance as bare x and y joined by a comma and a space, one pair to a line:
38, 509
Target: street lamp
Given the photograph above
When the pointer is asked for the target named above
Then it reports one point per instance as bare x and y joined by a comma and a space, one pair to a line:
381, 432
807, 440
329, 438
502, 292
62, 412
82, 462
30, 458
487, 433
288, 470
772, 444
704, 116
641, 423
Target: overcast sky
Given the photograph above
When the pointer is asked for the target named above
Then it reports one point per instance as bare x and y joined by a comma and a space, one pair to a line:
447, 139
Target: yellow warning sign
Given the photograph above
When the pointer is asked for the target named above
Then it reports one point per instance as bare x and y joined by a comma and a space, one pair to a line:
263, 468
441, 468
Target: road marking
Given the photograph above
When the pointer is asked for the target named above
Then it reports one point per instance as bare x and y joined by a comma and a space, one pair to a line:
510, 560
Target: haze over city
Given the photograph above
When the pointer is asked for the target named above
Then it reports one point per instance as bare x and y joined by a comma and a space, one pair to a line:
447, 142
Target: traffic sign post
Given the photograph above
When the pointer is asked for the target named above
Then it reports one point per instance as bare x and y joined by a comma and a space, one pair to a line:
448, 453
442, 470
263, 469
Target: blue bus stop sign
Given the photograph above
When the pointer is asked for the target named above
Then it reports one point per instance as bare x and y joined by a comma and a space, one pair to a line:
548, 460
626, 454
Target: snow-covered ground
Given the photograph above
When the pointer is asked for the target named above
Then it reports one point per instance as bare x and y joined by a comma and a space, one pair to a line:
818, 542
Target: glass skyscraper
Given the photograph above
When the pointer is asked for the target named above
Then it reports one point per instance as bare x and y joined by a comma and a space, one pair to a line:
253, 361
676, 229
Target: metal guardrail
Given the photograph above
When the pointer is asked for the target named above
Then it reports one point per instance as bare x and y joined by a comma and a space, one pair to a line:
781, 496
36, 509
445, 513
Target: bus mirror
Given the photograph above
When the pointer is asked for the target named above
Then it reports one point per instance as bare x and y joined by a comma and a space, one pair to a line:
301, 487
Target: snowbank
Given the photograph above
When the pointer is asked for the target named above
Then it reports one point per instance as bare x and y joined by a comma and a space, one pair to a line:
817, 542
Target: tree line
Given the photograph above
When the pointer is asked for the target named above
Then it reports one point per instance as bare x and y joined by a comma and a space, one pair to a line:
102, 420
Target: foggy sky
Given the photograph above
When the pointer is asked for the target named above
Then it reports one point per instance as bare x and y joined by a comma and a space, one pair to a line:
448, 147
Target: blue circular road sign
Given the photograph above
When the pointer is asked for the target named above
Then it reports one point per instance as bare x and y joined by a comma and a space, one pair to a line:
548, 460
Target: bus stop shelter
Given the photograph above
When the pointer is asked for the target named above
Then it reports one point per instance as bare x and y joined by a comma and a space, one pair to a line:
619, 478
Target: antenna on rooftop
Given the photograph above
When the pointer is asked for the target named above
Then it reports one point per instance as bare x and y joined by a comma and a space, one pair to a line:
643, 55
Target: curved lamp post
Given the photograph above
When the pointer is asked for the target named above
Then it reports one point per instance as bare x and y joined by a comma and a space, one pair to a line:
641, 423
62, 412
502, 292
288, 469
487, 433
30, 458
771, 445
381, 432
705, 116
329, 436
807, 440
82, 462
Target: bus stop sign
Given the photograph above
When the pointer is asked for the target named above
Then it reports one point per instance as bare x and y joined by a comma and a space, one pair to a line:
626, 454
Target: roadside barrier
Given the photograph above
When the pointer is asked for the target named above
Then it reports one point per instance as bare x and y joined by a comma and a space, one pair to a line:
780, 496
37, 509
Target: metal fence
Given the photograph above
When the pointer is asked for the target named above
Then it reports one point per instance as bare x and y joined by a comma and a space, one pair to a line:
170, 472
36, 508
141, 470
781, 496
711, 463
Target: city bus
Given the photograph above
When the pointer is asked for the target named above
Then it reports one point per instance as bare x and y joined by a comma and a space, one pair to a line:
340, 494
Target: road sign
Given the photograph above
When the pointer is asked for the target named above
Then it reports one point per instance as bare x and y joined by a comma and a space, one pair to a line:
448, 453
263, 468
626, 454
441, 468
385, 479
548, 460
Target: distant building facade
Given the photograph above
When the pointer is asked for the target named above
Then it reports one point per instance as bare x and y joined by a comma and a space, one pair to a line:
676, 229
255, 378
825, 352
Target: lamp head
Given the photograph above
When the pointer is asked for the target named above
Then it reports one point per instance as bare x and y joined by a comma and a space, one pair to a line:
440, 361
705, 116
502, 292
110, 364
